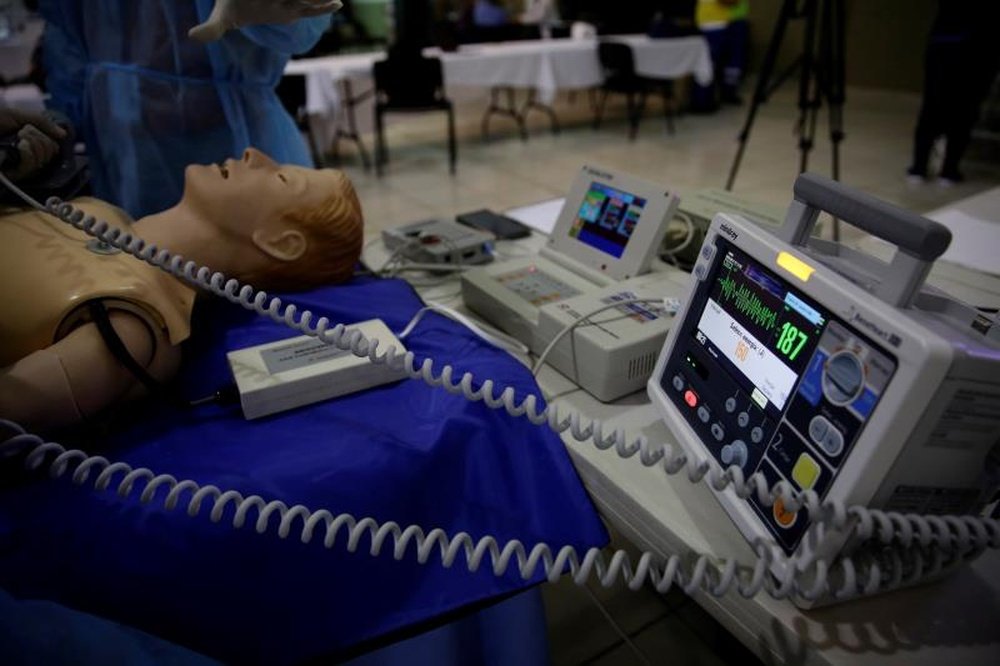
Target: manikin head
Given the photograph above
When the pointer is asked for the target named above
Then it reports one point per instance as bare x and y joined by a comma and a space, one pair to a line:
281, 227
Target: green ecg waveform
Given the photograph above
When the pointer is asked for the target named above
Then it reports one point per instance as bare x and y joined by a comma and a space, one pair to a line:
748, 303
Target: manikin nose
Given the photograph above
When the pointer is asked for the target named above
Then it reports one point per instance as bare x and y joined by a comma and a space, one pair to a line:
256, 159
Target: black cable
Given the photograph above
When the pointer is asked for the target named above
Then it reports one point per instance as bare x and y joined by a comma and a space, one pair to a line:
99, 315
101, 319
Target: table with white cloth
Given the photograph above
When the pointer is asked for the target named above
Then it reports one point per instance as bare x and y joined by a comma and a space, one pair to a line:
543, 67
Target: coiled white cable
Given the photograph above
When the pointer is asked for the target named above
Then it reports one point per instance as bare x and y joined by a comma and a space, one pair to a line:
957, 535
702, 572
963, 533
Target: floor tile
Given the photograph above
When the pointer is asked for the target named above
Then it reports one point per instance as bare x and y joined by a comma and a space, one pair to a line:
578, 630
668, 641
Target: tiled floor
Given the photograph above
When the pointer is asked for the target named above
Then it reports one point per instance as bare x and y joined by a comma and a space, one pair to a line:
506, 172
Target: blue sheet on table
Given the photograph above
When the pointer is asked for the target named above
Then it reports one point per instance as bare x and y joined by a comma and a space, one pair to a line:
404, 452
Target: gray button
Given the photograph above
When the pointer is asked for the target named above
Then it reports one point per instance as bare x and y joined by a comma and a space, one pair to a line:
756, 434
678, 382
700, 271
704, 414
735, 453
718, 432
707, 251
731, 405
817, 429
743, 419
833, 442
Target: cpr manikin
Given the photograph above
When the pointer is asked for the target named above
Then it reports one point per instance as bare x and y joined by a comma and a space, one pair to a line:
276, 227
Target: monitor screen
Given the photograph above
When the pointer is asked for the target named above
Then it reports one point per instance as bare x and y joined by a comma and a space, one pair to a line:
763, 329
607, 218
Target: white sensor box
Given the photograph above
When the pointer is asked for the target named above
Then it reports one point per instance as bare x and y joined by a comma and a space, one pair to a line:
299, 371
440, 242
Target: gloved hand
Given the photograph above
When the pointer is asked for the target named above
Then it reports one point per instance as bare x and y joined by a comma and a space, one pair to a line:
230, 14
37, 140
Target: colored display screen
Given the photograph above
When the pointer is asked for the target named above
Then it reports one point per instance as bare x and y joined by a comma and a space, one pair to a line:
607, 219
764, 329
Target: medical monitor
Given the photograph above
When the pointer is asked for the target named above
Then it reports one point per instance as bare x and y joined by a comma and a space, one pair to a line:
774, 381
607, 218
799, 361
612, 223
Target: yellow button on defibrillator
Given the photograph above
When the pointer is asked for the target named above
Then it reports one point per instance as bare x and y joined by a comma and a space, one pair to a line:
806, 471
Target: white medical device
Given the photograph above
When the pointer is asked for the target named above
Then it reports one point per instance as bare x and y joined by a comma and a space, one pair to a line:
609, 229
613, 352
290, 373
440, 242
805, 362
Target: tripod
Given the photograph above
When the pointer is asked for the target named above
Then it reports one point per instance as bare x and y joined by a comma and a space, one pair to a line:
821, 77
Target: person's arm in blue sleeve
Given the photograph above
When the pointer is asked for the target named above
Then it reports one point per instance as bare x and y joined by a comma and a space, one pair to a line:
65, 71
291, 39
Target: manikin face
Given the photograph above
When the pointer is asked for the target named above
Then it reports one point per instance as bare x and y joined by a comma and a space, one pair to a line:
253, 192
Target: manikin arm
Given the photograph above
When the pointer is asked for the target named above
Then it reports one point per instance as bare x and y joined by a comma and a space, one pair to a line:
78, 376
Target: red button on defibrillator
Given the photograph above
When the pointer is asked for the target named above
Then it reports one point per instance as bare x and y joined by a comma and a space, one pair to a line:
691, 398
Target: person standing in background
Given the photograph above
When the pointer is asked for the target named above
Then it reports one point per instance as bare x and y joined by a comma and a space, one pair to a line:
489, 14
960, 64
148, 99
724, 24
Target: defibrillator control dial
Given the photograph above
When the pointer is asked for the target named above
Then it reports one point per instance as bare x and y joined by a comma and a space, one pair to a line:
843, 378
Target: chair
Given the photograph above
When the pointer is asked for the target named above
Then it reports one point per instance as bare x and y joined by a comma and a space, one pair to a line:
620, 77
291, 90
410, 83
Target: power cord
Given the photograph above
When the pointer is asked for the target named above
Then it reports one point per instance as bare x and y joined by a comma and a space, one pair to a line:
690, 233
566, 330
494, 337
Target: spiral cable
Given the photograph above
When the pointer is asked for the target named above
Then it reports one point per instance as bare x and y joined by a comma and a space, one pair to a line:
692, 573
962, 533
959, 536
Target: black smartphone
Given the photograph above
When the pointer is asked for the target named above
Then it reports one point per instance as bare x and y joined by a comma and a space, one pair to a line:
499, 225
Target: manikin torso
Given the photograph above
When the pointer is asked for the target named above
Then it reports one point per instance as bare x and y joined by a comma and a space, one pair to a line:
51, 270
279, 227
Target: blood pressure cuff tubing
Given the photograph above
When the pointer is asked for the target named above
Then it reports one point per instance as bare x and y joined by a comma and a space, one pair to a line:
403, 452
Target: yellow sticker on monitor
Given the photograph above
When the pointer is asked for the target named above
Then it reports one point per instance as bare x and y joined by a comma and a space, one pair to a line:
795, 266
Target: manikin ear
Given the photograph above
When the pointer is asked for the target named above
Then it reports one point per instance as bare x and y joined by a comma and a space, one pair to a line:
283, 244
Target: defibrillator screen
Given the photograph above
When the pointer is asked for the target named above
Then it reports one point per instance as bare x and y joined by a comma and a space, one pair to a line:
765, 330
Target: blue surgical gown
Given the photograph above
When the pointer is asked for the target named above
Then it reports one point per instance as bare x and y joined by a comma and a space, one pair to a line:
148, 100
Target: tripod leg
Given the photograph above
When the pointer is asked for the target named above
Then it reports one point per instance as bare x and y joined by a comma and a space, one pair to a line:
808, 131
761, 89
809, 69
833, 84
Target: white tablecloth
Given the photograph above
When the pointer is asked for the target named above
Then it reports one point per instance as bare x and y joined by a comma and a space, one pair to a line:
670, 58
324, 75
545, 66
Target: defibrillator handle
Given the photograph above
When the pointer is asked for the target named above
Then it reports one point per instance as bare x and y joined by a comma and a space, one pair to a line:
919, 241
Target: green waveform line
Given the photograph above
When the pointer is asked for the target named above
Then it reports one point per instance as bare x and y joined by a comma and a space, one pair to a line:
748, 303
